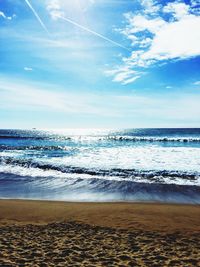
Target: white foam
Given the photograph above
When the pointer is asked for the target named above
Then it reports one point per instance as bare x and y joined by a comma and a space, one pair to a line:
144, 158
141, 158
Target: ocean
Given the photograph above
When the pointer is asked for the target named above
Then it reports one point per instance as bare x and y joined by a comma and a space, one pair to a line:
159, 165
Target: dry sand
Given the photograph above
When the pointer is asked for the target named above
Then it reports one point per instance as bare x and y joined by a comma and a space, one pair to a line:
45, 233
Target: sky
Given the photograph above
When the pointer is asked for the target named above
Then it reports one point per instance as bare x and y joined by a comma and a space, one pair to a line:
99, 64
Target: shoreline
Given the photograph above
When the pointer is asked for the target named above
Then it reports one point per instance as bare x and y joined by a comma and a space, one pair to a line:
102, 202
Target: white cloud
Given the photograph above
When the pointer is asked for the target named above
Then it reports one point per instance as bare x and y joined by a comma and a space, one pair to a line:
140, 23
123, 74
150, 6
170, 32
177, 9
28, 69
195, 6
195, 2
197, 83
180, 39
59, 8
54, 8
2, 14
130, 80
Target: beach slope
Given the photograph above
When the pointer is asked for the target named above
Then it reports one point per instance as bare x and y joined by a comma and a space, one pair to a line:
47, 233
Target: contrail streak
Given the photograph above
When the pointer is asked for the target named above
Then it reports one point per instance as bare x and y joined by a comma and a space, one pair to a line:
37, 16
93, 32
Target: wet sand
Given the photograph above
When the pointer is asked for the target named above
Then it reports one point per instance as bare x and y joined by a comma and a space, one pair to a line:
45, 233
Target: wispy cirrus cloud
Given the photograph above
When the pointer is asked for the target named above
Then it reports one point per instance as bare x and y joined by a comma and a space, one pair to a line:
37, 16
57, 10
159, 34
92, 32
124, 75
20, 95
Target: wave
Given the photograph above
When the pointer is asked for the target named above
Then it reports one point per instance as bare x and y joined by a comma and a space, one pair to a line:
119, 138
32, 147
153, 139
148, 176
39, 138
21, 137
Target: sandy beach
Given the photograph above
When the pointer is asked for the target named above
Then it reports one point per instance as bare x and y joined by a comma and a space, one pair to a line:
45, 233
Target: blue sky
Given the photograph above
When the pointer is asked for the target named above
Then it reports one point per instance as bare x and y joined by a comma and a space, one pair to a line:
97, 63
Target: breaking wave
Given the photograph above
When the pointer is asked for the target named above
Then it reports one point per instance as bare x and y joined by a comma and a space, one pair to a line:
39, 168
140, 165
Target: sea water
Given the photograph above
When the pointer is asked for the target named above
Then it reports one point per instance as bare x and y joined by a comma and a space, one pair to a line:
101, 165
